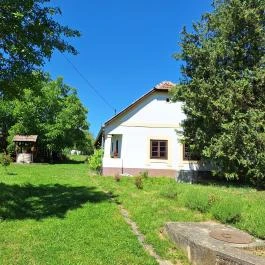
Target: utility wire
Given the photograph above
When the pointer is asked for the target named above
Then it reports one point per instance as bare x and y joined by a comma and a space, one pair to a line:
89, 84
85, 79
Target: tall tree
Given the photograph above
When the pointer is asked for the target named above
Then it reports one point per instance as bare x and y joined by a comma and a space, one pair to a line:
54, 113
223, 88
28, 35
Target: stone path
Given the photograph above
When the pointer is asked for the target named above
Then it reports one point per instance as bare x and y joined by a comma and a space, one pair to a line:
149, 248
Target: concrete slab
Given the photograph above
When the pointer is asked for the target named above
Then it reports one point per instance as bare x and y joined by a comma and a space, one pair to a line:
202, 249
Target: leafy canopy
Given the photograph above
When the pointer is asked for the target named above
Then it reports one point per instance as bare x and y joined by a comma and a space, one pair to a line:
54, 113
223, 88
28, 35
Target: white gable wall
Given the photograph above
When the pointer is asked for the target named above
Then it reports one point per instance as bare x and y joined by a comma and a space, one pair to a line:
154, 118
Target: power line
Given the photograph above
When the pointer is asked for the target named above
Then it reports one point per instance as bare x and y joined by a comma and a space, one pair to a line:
86, 80
89, 84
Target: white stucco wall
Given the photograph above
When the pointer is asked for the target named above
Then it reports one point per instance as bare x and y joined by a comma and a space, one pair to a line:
153, 118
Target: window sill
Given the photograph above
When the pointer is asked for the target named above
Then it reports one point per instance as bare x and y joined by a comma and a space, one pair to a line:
155, 160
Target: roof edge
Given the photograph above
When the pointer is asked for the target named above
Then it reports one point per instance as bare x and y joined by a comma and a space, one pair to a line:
164, 86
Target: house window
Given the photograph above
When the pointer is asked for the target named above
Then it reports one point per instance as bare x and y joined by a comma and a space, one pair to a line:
188, 155
116, 146
158, 149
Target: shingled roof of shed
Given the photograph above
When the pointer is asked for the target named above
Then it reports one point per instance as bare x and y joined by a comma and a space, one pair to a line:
25, 138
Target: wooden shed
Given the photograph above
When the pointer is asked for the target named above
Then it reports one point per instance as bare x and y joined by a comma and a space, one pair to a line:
26, 148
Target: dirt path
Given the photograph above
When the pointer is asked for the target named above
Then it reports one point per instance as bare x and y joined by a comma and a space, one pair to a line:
149, 248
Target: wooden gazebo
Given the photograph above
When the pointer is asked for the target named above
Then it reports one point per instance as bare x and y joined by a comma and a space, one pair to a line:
26, 147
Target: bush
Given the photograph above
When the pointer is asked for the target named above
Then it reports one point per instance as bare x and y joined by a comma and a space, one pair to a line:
144, 174
139, 182
5, 160
95, 160
227, 210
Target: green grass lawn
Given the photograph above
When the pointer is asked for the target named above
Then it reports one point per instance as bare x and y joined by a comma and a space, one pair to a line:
53, 214
58, 214
162, 200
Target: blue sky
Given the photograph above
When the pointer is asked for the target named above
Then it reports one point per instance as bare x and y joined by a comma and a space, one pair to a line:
125, 49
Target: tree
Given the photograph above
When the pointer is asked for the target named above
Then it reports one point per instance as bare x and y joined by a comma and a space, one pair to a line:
85, 144
28, 35
54, 113
223, 88
6, 121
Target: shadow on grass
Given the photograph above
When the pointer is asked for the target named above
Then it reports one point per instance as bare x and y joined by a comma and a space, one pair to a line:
42, 201
11, 174
72, 162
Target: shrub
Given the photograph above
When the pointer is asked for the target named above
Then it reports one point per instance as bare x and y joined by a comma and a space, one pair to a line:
227, 210
5, 160
95, 160
144, 174
139, 182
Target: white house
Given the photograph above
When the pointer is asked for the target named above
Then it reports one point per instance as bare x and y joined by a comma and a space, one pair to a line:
143, 137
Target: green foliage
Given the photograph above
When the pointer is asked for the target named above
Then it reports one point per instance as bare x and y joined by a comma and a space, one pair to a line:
54, 113
138, 181
252, 220
95, 160
197, 200
144, 174
7, 119
169, 192
5, 160
29, 35
85, 144
227, 210
223, 89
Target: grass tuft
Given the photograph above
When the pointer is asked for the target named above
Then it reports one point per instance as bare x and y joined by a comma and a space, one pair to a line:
138, 181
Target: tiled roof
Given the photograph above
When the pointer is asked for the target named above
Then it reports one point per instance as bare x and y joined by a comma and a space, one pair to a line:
165, 85
25, 138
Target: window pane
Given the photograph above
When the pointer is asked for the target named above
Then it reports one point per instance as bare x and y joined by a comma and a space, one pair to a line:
162, 154
154, 154
188, 155
163, 144
163, 149
154, 143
